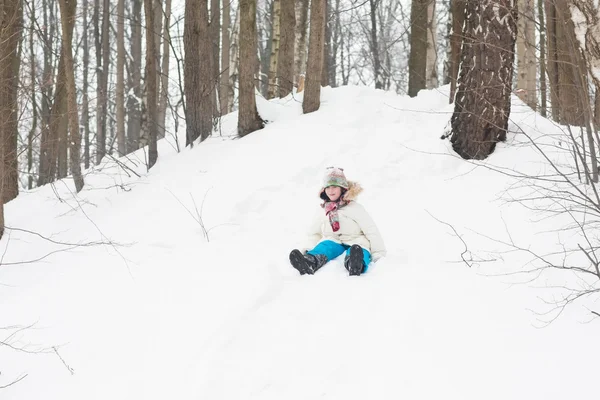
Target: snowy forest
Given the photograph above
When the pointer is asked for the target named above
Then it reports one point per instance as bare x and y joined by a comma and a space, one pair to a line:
159, 159
86, 80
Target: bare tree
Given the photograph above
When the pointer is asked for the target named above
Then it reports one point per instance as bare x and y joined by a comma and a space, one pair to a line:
68, 8
215, 32
482, 105
198, 76
85, 105
543, 85
285, 64
234, 59
164, 76
457, 14
248, 118
34, 106
274, 59
417, 64
151, 89
374, 44
134, 96
526, 49
431, 80
225, 49
103, 49
301, 35
120, 89
312, 92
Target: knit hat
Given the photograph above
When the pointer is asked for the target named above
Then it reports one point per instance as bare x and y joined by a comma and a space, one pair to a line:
335, 177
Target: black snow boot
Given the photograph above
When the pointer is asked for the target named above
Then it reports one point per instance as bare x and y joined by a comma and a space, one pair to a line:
354, 261
307, 263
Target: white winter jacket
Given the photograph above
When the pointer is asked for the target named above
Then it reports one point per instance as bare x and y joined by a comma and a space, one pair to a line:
356, 226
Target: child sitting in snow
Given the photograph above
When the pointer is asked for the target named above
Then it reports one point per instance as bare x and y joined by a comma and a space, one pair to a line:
342, 226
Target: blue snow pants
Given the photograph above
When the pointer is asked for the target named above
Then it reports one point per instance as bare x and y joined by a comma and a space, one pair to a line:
333, 250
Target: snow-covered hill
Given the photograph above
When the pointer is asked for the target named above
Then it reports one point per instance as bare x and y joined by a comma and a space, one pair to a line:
163, 310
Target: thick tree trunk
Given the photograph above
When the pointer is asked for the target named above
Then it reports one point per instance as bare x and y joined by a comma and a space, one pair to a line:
482, 105
312, 91
301, 34
431, 69
102, 109
151, 89
417, 62
11, 28
225, 49
457, 11
198, 76
68, 8
248, 118
34, 106
9, 79
274, 59
134, 97
120, 89
567, 91
285, 65
526, 48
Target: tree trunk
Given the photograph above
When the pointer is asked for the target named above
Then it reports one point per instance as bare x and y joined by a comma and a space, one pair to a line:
67, 10
543, 87
482, 105
336, 37
85, 105
326, 46
11, 27
312, 91
301, 33
374, 44
526, 47
234, 58
34, 106
563, 69
272, 89
151, 89
102, 50
198, 77
120, 89
164, 77
417, 62
285, 64
134, 97
431, 69
248, 118
457, 13
215, 33
225, 49
9, 80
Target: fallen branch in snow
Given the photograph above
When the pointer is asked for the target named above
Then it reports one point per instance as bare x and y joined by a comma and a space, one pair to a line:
71, 370
15, 381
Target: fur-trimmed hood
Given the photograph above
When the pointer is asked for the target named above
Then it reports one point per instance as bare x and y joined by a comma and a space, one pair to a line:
354, 189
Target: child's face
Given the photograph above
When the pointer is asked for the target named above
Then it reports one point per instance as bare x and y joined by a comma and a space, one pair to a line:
333, 192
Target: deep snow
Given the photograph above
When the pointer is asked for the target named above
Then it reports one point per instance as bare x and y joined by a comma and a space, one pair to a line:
163, 312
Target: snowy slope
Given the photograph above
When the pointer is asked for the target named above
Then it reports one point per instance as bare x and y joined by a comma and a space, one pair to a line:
162, 312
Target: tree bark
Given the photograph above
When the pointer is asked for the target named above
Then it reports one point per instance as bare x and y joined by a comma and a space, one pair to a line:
198, 76
374, 44
134, 97
543, 85
34, 106
417, 62
482, 105
272, 89
234, 58
301, 34
225, 49
151, 89
215, 33
285, 65
431, 69
120, 89
526, 48
85, 104
312, 90
68, 8
102, 49
248, 118
11, 27
457, 13
164, 76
